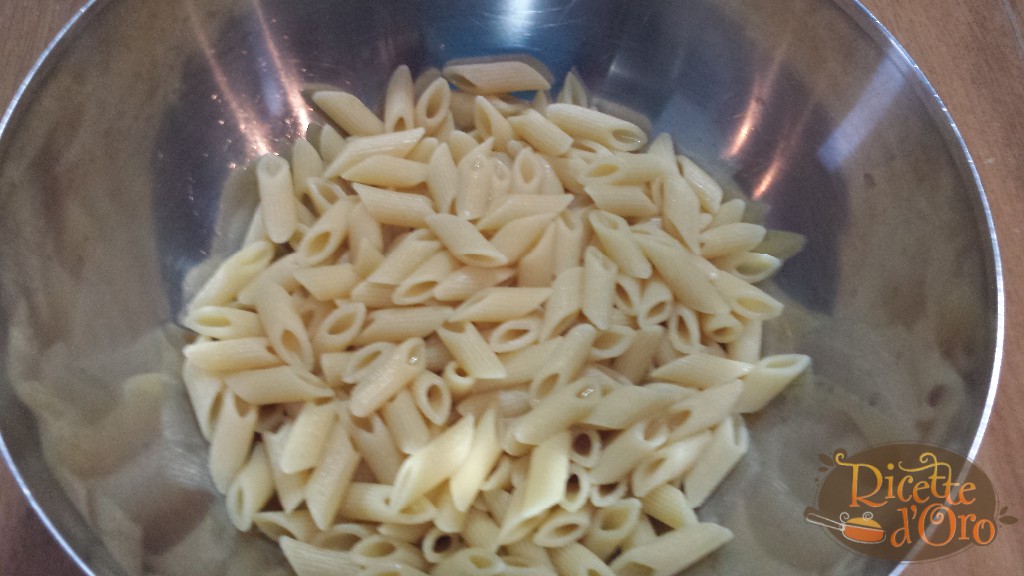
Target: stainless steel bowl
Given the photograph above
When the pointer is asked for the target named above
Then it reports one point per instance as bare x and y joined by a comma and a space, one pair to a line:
114, 156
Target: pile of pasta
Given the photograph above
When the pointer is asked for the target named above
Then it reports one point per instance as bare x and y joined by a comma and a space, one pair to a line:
483, 335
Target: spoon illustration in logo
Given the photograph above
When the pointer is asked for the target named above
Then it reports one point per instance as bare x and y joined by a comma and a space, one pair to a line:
863, 530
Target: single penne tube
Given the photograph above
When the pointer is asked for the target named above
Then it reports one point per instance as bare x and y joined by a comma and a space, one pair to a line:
626, 200
380, 550
475, 180
310, 560
438, 545
276, 385
307, 437
514, 206
470, 350
680, 210
306, 163
746, 300
204, 390
730, 239
374, 295
465, 483
586, 448
515, 334
528, 171
508, 403
668, 464
461, 143
233, 275
326, 487
359, 148
566, 363
556, 412
433, 464
432, 105
573, 91
408, 428
232, 355
577, 487
277, 197
627, 294
289, 487
326, 283
721, 328
395, 208
339, 328
572, 236
518, 236
457, 379
366, 502
546, 480
250, 491
447, 517
418, 287
280, 272
224, 323
561, 528
537, 267
442, 179
708, 191
521, 365
767, 378
583, 123
672, 552
402, 365
491, 124
373, 440
387, 171
330, 143
465, 242
231, 441
499, 304
470, 562
729, 442
623, 406
284, 328
424, 150
670, 506
599, 276
432, 397
611, 526
468, 280
497, 76
408, 254
703, 410
614, 236
322, 193
701, 371
751, 267
577, 560
364, 233
681, 272
563, 306
364, 360
400, 324
684, 332
624, 169
399, 109
348, 112
612, 343
656, 304
297, 525
480, 531
636, 360
605, 495
542, 134
627, 449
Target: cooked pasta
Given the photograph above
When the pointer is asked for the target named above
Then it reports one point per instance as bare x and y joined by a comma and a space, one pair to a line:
483, 335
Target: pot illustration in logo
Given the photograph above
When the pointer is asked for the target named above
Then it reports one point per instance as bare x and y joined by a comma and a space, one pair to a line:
863, 530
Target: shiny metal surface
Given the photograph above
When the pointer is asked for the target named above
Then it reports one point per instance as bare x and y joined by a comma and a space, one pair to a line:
113, 161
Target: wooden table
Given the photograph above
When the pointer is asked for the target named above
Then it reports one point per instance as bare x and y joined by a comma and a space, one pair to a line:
973, 53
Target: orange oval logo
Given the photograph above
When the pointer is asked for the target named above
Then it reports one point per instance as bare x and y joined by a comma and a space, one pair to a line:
906, 502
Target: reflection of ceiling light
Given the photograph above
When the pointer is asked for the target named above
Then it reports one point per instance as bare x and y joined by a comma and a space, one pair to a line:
282, 81
871, 106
